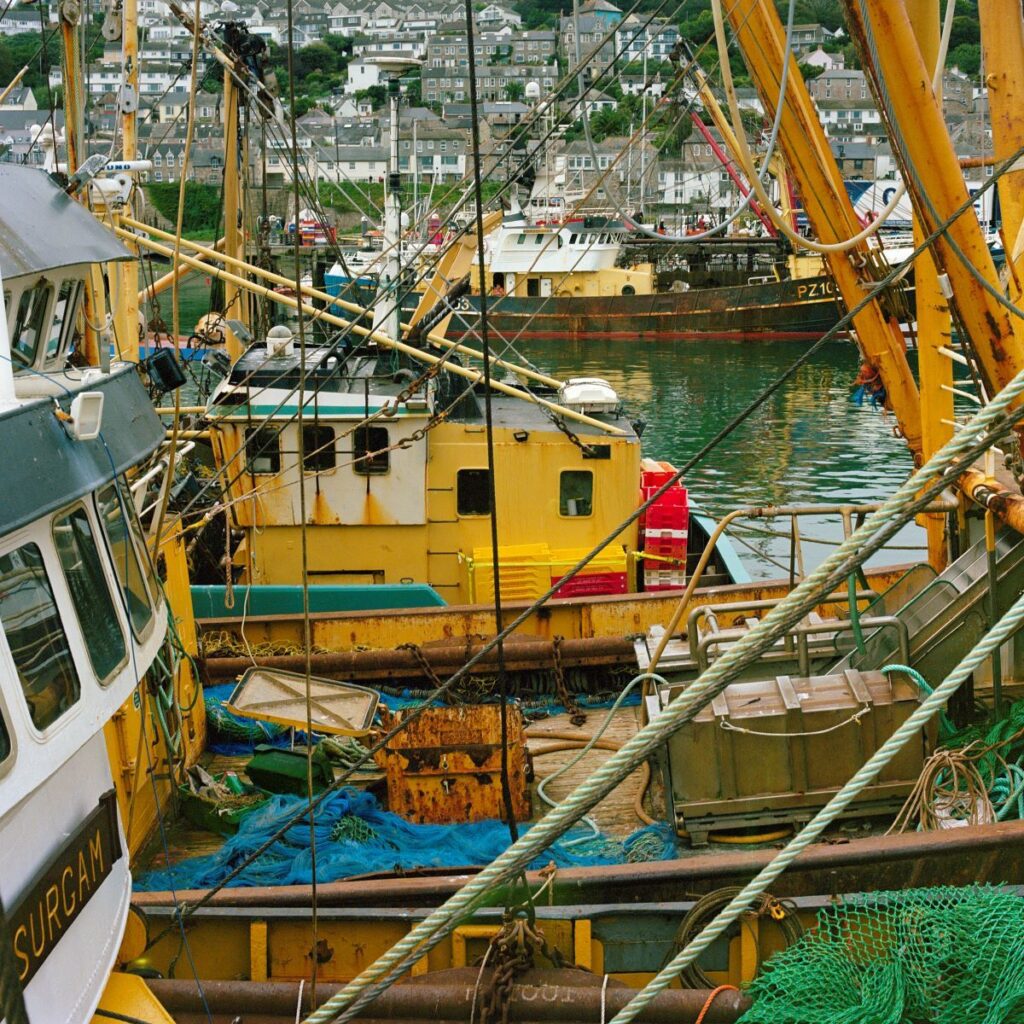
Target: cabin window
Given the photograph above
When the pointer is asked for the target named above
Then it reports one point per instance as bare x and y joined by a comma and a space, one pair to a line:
63, 316
263, 450
473, 492
126, 559
597, 451
576, 493
318, 449
35, 635
533, 286
30, 324
370, 451
83, 571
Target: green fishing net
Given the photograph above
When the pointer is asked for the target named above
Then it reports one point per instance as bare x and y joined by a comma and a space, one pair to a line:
944, 956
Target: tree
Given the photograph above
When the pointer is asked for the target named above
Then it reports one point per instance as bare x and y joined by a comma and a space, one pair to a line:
315, 57
376, 94
514, 91
966, 57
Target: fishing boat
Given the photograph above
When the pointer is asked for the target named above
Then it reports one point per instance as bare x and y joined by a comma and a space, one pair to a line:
592, 279
382, 863
81, 614
766, 701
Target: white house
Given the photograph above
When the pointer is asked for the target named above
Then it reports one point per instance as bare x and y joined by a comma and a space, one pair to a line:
820, 59
494, 16
362, 74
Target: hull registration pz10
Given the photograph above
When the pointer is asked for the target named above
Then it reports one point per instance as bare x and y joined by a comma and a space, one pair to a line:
36, 923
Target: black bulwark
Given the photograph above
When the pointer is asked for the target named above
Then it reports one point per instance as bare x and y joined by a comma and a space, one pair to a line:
42, 467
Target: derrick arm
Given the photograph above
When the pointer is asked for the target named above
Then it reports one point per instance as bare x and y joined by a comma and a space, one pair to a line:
1002, 41
884, 35
455, 263
761, 37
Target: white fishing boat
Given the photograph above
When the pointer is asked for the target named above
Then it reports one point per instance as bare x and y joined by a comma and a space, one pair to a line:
81, 613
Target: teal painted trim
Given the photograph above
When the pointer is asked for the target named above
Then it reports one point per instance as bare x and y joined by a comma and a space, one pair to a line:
255, 601
731, 561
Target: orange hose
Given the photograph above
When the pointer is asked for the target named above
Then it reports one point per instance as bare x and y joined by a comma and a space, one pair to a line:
712, 996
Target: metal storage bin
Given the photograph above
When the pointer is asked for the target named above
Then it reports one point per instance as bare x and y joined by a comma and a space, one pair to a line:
795, 751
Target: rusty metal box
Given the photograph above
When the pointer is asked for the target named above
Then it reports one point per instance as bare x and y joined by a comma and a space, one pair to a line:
445, 766
774, 751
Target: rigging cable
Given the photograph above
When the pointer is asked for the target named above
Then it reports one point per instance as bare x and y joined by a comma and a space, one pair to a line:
540, 602
769, 150
506, 788
746, 160
307, 640
176, 283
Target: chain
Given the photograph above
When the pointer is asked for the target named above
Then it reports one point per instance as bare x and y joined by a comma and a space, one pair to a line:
573, 437
576, 715
425, 667
512, 952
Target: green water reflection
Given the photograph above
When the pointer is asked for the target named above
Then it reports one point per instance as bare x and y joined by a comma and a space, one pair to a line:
808, 444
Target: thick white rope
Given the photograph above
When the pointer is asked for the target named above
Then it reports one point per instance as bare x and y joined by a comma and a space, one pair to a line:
432, 929
931, 706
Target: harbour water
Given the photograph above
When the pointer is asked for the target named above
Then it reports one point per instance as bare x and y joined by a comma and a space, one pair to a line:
809, 444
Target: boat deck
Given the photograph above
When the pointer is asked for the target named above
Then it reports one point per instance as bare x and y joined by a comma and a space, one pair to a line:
615, 815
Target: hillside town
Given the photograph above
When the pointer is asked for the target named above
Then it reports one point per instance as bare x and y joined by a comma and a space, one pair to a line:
676, 176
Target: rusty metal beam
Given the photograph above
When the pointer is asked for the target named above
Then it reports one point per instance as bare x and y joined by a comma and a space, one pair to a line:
522, 655
563, 996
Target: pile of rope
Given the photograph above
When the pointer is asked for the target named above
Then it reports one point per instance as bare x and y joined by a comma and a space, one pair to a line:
977, 777
708, 906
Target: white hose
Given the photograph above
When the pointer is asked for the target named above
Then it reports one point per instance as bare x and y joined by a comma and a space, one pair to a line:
745, 159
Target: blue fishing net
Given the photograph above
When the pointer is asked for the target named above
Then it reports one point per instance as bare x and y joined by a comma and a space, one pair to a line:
354, 836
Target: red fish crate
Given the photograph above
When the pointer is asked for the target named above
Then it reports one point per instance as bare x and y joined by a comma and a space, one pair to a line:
592, 584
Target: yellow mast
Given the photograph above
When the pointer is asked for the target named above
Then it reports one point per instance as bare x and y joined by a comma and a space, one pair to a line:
761, 38
236, 302
935, 370
1002, 43
920, 141
126, 273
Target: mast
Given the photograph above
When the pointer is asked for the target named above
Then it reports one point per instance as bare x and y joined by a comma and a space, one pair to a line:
126, 311
1002, 41
802, 141
934, 329
386, 312
235, 299
902, 86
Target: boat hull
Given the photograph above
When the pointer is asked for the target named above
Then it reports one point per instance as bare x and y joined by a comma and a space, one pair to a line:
797, 310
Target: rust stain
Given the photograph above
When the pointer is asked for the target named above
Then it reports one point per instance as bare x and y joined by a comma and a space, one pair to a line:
447, 766
322, 513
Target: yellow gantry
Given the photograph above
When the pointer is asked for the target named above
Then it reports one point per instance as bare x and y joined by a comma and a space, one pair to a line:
761, 37
920, 141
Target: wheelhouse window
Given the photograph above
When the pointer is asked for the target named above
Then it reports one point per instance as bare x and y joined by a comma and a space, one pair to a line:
30, 324
78, 550
370, 451
576, 493
35, 635
473, 492
63, 316
263, 450
5, 741
129, 570
318, 449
